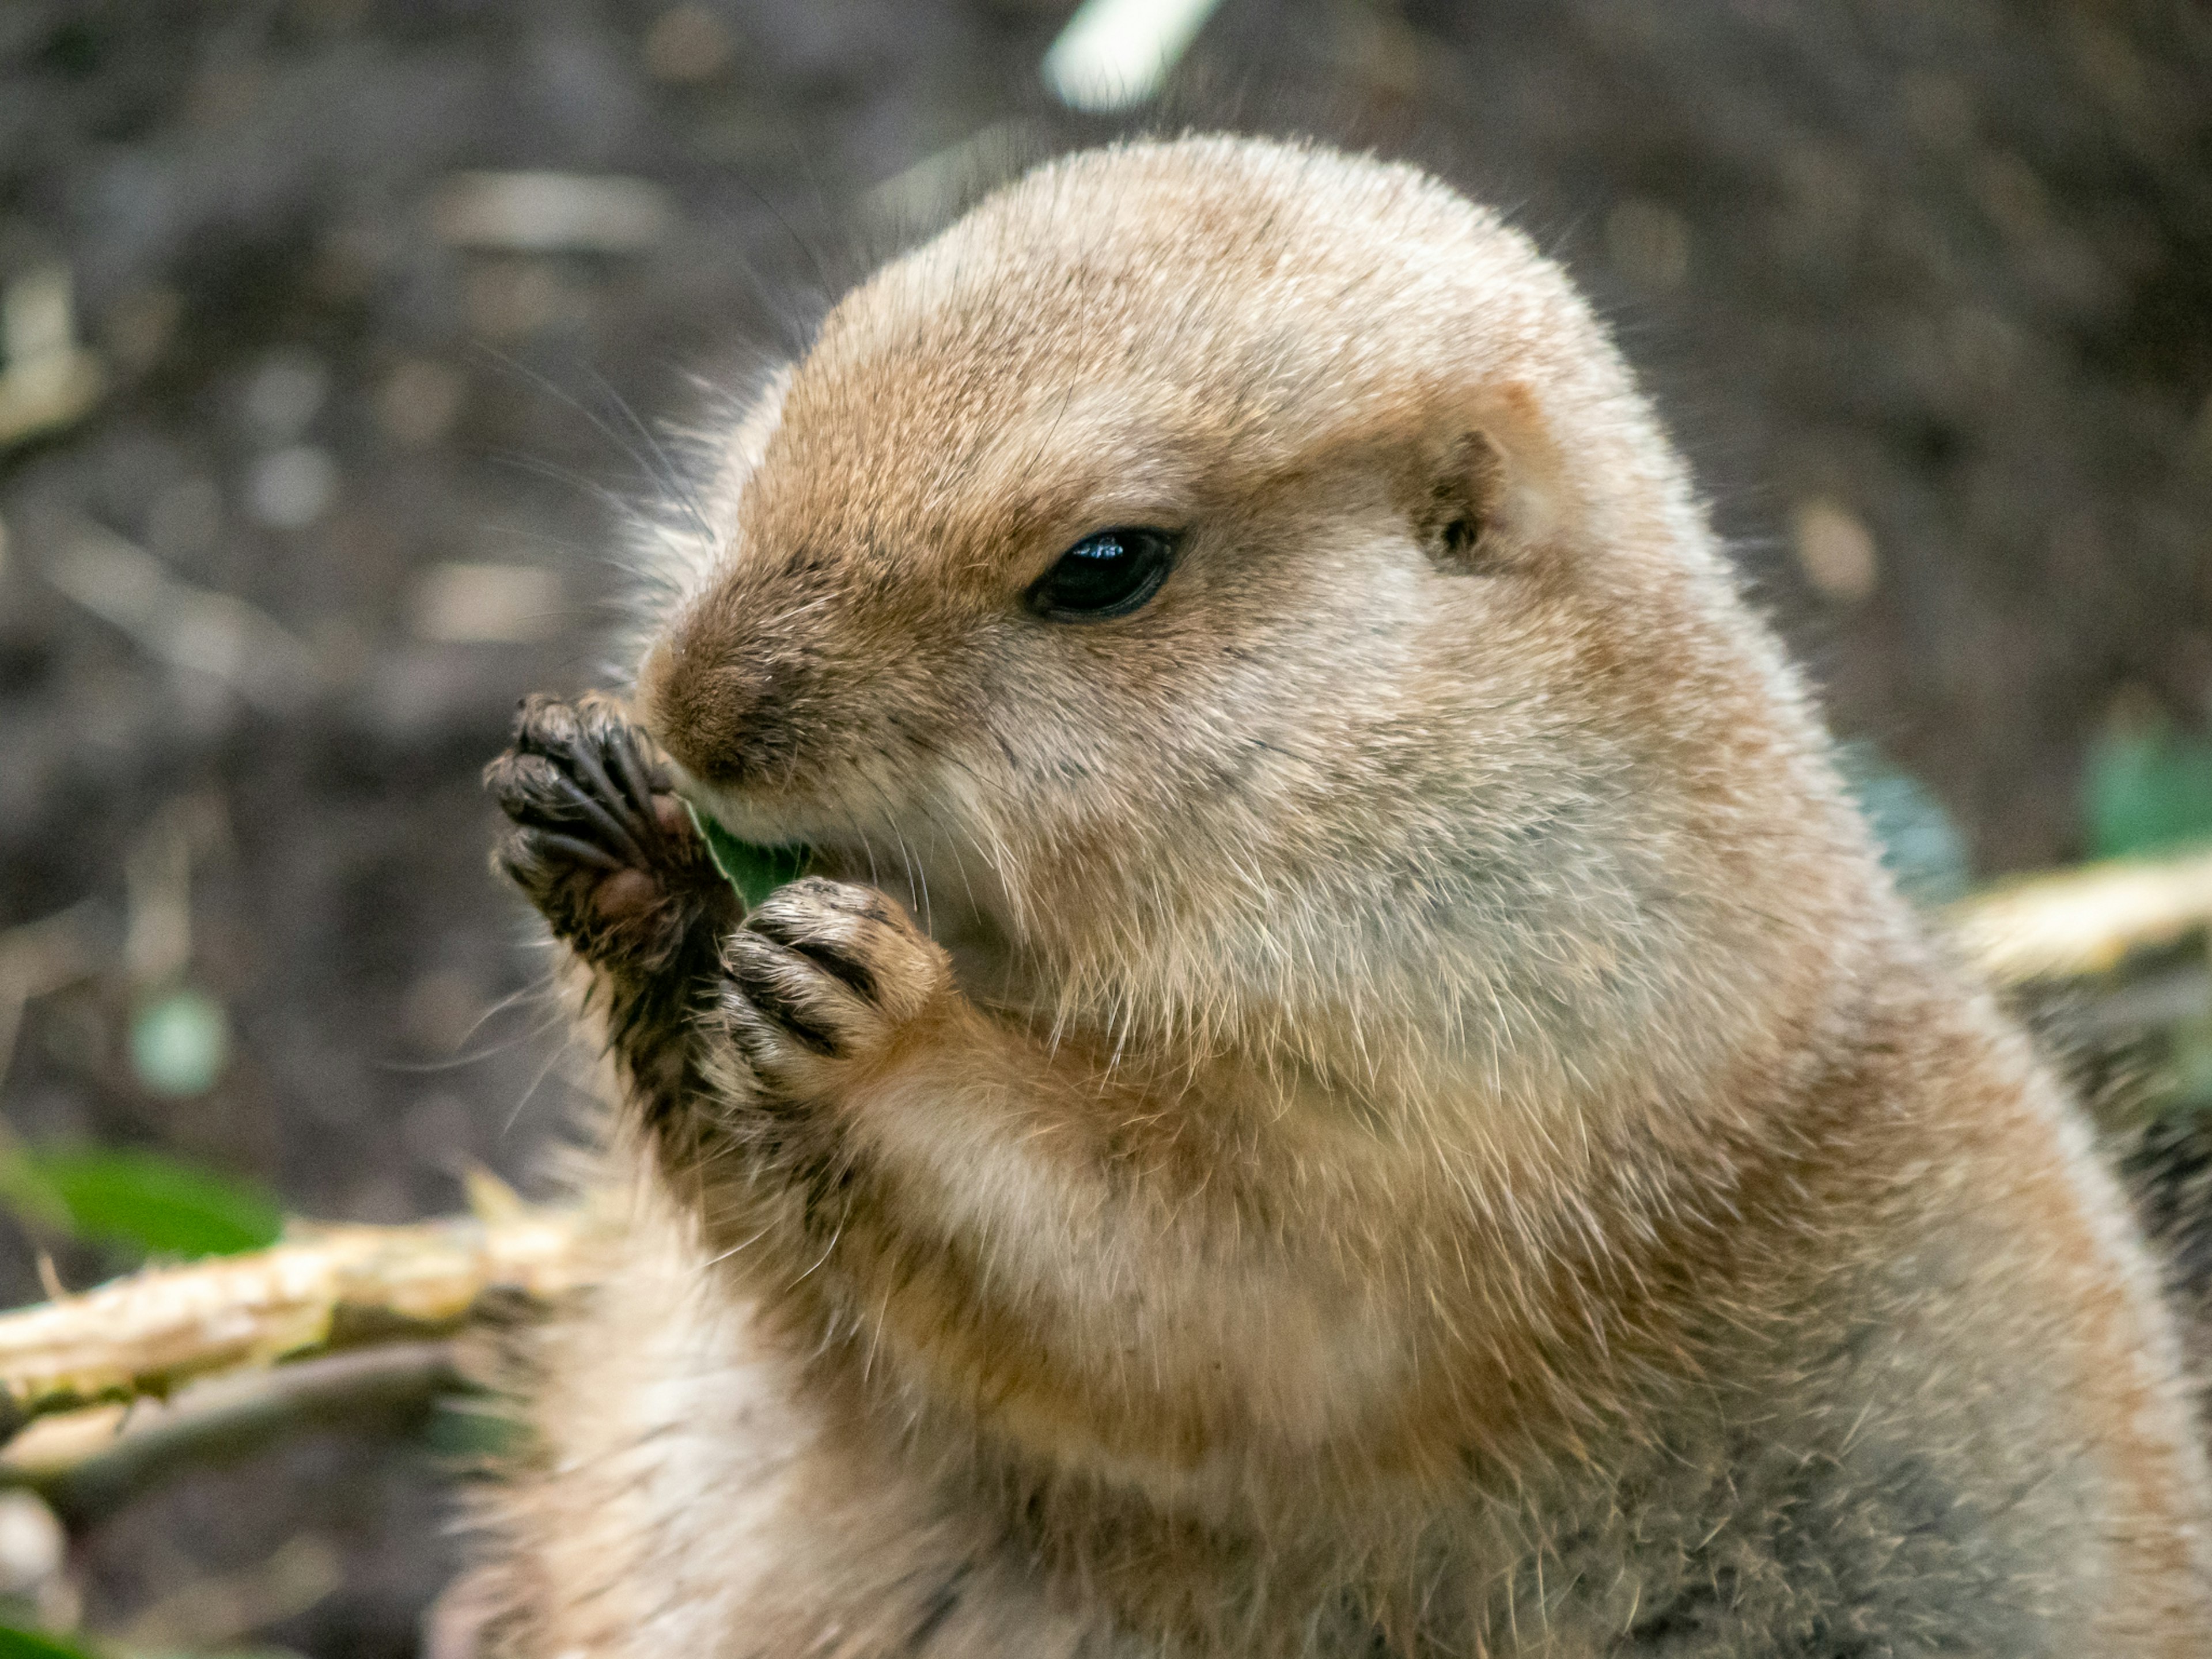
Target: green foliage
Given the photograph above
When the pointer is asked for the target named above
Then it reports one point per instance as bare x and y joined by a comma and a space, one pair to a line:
755, 872
2148, 787
19, 1644
471, 1429
144, 1198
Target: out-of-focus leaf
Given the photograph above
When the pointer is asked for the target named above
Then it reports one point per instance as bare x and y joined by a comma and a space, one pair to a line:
2191, 1050
19, 1644
2146, 786
144, 1199
30, 1195
755, 872
179, 1043
1920, 845
470, 1429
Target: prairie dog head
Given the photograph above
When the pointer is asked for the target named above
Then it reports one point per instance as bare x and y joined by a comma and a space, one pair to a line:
1250, 574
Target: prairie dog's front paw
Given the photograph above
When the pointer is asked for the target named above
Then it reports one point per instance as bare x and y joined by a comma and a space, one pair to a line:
822, 977
597, 840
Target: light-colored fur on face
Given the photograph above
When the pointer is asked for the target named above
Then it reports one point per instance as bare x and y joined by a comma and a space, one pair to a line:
1324, 765
1436, 1135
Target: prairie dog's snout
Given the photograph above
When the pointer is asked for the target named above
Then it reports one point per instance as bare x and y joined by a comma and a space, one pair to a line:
714, 717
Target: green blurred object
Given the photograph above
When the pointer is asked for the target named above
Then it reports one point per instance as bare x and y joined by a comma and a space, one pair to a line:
179, 1043
755, 872
1921, 846
19, 1644
158, 1204
2190, 1059
471, 1429
2147, 787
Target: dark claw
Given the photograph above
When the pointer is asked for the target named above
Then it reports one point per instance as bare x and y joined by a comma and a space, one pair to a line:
773, 1001
853, 974
605, 822
622, 885
635, 784
588, 762
539, 795
584, 852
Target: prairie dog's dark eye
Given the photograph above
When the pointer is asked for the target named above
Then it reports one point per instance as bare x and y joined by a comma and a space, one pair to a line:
1107, 574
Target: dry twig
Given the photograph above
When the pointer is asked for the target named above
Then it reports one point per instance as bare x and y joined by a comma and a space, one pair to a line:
325, 1287
88, 1464
2073, 923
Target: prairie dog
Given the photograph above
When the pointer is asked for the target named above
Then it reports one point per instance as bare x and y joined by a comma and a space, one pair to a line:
1393, 1112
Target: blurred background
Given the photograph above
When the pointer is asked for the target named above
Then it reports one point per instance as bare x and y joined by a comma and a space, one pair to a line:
322, 325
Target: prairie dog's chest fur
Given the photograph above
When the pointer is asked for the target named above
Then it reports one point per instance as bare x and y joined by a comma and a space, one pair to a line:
1685, 1543
1345, 1082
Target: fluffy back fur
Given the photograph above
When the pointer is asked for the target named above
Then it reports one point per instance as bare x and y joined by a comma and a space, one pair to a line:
1411, 1122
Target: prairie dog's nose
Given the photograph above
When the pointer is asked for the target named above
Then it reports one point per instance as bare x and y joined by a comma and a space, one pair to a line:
705, 713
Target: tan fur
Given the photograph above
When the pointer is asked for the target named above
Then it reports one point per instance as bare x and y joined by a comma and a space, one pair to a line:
1422, 1129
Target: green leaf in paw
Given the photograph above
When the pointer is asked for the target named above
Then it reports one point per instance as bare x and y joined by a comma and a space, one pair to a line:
755, 872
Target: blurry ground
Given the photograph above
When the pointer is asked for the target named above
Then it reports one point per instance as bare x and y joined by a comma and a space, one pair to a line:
1924, 285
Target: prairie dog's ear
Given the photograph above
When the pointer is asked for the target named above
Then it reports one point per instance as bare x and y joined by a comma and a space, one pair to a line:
1490, 489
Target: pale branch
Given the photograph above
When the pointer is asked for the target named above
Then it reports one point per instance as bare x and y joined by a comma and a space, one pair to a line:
90, 1462
323, 1287
2073, 923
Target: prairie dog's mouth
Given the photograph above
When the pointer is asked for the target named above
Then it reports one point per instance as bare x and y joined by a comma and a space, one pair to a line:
779, 826
756, 872
738, 817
